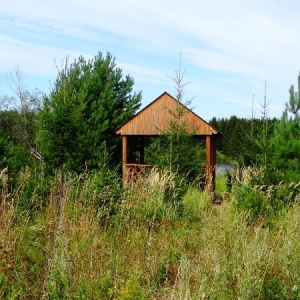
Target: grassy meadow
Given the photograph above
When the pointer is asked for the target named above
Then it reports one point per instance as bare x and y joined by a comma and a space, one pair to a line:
157, 238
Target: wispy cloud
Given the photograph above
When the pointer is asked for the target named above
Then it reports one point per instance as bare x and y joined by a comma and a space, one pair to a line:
228, 47
39, 59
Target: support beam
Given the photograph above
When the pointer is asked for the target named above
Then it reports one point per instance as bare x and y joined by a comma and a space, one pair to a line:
124, 157
211, 162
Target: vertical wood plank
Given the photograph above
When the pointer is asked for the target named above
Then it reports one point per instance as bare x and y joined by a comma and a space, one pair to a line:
156, 116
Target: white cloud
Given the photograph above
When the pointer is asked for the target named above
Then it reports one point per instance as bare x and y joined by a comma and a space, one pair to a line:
32, 58
230, 47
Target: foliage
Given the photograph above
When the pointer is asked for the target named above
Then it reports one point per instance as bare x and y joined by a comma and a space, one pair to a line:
146, 250
265, 203
178, 153
286, 145
293, 106
161, 199
159, 237
242, 138
16, 156
286, 142
18, 112
18, 115
59, 124
89, 101
262, 140
177, 149
101, 189
254, 201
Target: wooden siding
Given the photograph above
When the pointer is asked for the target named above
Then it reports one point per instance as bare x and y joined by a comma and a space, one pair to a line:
156, 117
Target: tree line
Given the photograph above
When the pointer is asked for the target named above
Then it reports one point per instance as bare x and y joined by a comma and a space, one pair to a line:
270, 143
73, 127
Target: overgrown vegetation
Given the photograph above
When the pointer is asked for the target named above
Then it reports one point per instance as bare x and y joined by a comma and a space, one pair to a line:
144, 242
177, 149
83, 235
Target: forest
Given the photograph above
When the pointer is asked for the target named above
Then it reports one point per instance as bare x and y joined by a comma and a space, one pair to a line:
70, 229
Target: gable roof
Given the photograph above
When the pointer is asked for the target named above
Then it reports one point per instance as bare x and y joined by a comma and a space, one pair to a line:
155, 118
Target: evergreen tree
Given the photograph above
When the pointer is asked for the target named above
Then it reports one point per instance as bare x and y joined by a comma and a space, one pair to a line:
286, 142
264, 136
293, 106
177, 149
240, 136
231, 143
89, 101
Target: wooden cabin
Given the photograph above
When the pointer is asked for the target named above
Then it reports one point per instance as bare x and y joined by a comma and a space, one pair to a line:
154, 120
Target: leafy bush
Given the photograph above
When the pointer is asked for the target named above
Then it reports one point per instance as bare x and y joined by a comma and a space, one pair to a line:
265, 202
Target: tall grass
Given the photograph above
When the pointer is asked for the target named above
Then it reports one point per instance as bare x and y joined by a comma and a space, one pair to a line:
158, 240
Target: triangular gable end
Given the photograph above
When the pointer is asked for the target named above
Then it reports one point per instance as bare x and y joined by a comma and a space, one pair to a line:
155, 119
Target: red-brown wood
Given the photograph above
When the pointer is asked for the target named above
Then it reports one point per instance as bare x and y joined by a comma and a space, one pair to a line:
135, 171
155, 120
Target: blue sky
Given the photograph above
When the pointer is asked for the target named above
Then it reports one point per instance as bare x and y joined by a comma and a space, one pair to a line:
228, 48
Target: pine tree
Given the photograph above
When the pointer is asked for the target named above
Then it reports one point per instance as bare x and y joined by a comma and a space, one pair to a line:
177, 149
286, 142
89, 101
262, 140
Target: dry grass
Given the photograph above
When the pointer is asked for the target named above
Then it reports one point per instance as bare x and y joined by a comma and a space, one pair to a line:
146, 250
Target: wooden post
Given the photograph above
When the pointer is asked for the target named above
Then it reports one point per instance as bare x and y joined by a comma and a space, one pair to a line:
211, 162
124, 158
142, 150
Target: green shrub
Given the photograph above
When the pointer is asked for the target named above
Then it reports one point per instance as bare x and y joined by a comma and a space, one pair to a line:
266, 202
253, 200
